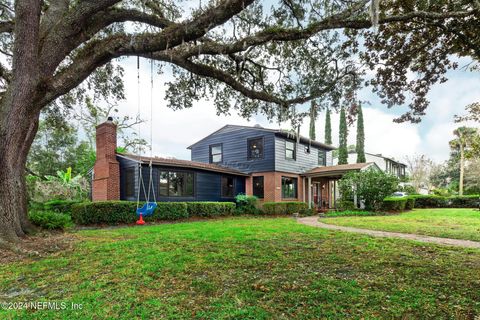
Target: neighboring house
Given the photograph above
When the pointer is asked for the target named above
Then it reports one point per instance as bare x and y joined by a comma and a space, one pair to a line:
268, 163
386, 164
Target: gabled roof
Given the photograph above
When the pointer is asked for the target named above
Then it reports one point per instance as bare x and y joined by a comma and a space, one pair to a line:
278, 132
339, 169
381, 156
181, 163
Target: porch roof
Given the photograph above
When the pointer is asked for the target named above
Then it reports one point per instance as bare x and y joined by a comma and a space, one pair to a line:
338, 170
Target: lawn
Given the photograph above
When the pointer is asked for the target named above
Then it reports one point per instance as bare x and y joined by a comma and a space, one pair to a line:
246, 268
445, 223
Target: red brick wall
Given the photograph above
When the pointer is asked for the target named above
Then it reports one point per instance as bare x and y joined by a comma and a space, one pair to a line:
106, 181
272, 184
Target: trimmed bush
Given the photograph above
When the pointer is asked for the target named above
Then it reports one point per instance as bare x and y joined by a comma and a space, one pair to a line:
60, 206
394, 204
470, 201
109, 212
210, 209
430, 201
50, 220
246, 204
270, 208
169, 211
345, 205
410, 205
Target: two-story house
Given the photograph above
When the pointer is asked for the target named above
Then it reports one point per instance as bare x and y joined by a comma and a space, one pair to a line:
386, 164
272, 164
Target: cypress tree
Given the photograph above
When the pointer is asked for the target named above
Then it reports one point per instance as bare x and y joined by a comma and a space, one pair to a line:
313, 118
343, 134
360, 148
328, 128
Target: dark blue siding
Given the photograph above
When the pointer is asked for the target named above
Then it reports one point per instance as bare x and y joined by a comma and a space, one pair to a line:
234, 142
304, 161
207, 185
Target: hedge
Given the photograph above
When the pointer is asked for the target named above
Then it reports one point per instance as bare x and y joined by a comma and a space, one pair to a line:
434, 201
210, 209
50, 220
394, 204
60, 206
270, 208
115, 212
410, 205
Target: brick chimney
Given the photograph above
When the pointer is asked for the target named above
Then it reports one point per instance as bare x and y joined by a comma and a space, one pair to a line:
106, 179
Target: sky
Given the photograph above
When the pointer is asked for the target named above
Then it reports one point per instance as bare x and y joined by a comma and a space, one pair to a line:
174, 131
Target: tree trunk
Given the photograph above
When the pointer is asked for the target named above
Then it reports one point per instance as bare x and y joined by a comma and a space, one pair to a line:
18, 127
462, 169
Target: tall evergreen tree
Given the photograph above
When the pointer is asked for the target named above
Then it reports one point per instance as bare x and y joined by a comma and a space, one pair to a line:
343, 134
360, 148
328, 128
313, 118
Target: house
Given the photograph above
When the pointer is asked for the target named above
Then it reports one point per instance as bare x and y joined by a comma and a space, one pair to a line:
386, 164
272, 164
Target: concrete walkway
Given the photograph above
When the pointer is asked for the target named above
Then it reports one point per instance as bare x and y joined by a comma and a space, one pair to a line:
314, 222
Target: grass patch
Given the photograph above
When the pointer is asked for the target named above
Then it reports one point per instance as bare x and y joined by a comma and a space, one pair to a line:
350, 213
445, 223
246, 268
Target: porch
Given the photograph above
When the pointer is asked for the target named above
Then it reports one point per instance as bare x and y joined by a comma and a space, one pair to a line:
320, 185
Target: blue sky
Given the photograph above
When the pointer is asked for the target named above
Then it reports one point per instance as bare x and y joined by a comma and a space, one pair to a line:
175, 130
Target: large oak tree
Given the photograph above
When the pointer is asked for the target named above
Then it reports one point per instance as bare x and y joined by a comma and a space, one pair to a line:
243, 54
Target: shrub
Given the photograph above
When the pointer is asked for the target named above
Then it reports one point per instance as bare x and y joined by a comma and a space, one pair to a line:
50, 220
345, 205
470, 201
246, 204
109, 212
410, 205
210, 209
270, 208
371, 187
169, 211
430, 201
60, 206
394, 204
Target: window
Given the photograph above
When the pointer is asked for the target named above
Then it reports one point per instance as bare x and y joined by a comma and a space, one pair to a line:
176, 184
322, 157
307, 149
129, 182
216, 153
289, 150
258, 187
255, 148
228, 187
289, 188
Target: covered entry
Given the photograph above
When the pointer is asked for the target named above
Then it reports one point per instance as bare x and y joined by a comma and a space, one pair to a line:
321, 184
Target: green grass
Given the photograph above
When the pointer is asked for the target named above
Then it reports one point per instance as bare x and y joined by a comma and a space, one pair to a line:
445, 223
247, 268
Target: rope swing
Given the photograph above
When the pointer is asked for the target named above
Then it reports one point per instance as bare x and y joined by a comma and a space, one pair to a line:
149, 207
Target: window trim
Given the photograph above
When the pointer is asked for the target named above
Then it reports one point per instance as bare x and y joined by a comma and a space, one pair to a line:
263, 147
234, 186
294, 150
296, 187
210, 154
263, 186
194, 182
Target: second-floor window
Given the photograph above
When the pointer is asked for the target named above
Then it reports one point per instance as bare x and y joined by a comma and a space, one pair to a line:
289, 150
322, 157
255, 148
216, 153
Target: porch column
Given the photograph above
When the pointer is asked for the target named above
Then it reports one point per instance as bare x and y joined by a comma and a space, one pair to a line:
309, 192
303, 188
